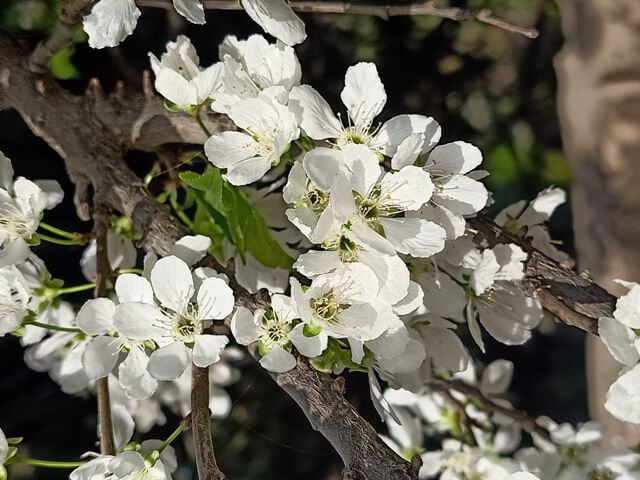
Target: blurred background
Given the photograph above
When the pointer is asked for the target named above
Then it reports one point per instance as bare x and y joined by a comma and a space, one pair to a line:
484, 85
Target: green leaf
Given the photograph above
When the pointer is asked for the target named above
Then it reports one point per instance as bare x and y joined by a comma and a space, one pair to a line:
243, 225
61, 65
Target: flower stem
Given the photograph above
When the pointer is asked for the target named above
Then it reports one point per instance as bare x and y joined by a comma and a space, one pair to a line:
49, 463
175, 434
56, 328
204, 128
77, 288
58, 231
59, 241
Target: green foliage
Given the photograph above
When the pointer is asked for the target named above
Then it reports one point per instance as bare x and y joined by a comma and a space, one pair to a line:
337, 356
222, 208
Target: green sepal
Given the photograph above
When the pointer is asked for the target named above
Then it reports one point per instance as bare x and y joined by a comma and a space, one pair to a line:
262, 348
311, 330
171, 107
14, 440
34, 241
3, 473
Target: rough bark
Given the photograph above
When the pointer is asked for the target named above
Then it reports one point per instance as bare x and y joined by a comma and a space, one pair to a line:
599, 106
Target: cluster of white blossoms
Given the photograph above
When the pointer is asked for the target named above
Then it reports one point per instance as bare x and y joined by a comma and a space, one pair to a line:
385, 272
111, 21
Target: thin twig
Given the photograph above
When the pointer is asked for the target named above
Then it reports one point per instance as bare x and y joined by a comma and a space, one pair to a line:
382, 11
70, 17
201, 425
103, 269
522, 418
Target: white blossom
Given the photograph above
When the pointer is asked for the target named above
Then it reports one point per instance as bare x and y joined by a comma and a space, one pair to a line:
179, 77
269, 127
364, 97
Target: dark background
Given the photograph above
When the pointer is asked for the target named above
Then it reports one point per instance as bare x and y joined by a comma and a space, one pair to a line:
482, 84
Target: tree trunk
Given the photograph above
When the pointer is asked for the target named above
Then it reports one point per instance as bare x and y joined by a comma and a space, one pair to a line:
599, 107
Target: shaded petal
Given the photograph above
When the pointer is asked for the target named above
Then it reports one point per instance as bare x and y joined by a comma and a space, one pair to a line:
169, 362
414, 236
394, 131
454, 157
192, 10
277, 19
278, 360
243, 328
308, 346
100, 356
191, 248
133, 375
138, 321
95, 317
110, 22
207, 349
314, 113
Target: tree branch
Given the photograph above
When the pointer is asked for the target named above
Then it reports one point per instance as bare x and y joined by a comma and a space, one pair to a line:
382, 11
574, 299
68, 20
201, 424
103, 269
522, 418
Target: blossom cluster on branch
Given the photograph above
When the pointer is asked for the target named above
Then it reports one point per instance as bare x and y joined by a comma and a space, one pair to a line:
357, 229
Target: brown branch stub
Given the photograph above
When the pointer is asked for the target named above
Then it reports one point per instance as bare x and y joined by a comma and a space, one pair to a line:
574, 299
201, 426
69, 18
429, 8
100, 229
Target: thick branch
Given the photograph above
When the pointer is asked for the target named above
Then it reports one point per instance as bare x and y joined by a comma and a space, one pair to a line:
574, 299
201, 424
70, 17
382, 11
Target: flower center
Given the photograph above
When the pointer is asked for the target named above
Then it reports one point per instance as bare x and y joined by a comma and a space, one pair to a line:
317, 200
347, 249
263, 142
14, 222
275, 333
327, 308
186, 326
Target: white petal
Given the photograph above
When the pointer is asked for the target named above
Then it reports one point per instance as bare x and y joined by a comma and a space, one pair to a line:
408, 151
413, 300
100, 356
95, 317
619, 339
52, 191
133, 375
308, 346
168, 363
191, 248
277, 19
175, 88
322, 165
207, 349
6, 173
409, 188
172, 283
454, 157
628, 307
229, 148
278, 360
623, 397
243, 328
453, 223
215, 299
315, 115
138, 321
126, 463
461, 195
14, 252
133, 288
414, 236
123, 425
394, 131
363, 94
316, 262
284, 307
496, 378
110, 22
392, 274
192, 10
